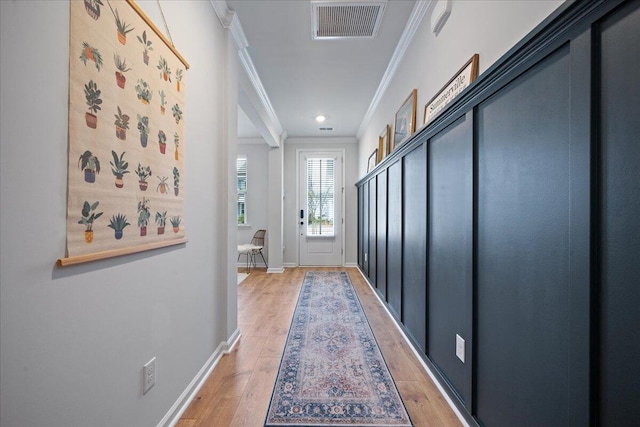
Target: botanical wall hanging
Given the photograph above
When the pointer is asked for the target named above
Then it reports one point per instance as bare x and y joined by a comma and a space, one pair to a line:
126, 97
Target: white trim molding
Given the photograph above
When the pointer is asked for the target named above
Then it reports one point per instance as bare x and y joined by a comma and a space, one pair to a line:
254, 78
444, 394
172, 417
230, 20
419, 11
275, 270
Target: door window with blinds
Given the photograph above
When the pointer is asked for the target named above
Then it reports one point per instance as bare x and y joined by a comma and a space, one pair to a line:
321, 196
241, 173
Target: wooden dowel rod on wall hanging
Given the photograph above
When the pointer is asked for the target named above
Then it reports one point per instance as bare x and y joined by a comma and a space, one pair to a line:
80, 259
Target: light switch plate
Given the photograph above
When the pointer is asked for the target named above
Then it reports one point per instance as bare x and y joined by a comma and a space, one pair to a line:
460, 347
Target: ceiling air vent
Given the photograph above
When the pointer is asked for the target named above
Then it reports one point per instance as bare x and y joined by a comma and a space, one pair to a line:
338, 20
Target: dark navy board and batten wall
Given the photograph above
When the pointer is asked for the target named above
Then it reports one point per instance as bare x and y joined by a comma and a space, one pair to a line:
513, 220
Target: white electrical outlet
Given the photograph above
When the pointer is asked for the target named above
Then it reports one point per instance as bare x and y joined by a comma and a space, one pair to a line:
365, 257
149, 375
460, 347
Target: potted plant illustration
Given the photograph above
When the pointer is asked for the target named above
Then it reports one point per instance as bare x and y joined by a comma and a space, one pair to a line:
178, 78
175, 223
161, 220
89, 215
143, 173
90, 53
165, 71
163, 187
144, 91
122, 27
176, 181
93, 8
92, 94
118, 223
147, 47
176, 141
162, 141
121, 65
90, 165
177, 113
143, 127
163, 101
119, 168
122, 124
144, 213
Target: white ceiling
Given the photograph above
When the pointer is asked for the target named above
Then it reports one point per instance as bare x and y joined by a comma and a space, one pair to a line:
304, 77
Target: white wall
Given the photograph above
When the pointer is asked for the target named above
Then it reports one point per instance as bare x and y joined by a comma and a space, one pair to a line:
290, 198
489, 28
257, 152
73, 341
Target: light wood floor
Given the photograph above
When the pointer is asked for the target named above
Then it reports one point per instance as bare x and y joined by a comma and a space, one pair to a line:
238, 391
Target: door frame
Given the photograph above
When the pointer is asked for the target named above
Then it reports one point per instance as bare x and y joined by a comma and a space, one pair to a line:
341, 152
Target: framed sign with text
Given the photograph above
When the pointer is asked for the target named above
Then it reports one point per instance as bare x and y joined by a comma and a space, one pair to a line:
460, 81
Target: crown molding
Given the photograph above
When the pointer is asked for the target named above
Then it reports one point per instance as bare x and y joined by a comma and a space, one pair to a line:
254, 78
420, 9
230, 20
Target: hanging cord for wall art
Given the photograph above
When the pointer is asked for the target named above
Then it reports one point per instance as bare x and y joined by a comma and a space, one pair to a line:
166, 39
163, 20
165, 23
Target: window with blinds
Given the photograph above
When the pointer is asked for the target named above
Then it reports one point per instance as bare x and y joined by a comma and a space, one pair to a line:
241, 173
320, 196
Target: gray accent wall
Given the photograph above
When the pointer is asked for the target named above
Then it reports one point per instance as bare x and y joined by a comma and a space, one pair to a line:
527, 245
619, 218
523, 248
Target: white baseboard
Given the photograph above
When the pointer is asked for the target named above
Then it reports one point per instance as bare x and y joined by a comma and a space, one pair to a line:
295, 265
275, 270
444, 394
175, 412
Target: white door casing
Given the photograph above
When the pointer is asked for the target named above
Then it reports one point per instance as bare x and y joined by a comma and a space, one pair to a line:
321, 222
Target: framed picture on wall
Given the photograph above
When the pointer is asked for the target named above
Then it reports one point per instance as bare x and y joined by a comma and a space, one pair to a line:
384, 146
373, 160
405, 122
459, 82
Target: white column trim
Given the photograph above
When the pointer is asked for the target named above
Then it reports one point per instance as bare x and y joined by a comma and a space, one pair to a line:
254, 78
230, 20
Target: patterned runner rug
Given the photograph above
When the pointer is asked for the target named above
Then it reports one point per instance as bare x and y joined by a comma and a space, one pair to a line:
332, 372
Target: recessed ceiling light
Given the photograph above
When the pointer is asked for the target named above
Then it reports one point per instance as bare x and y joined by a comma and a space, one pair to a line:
320, 118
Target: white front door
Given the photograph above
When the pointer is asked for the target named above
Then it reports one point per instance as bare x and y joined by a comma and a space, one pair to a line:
320, 218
